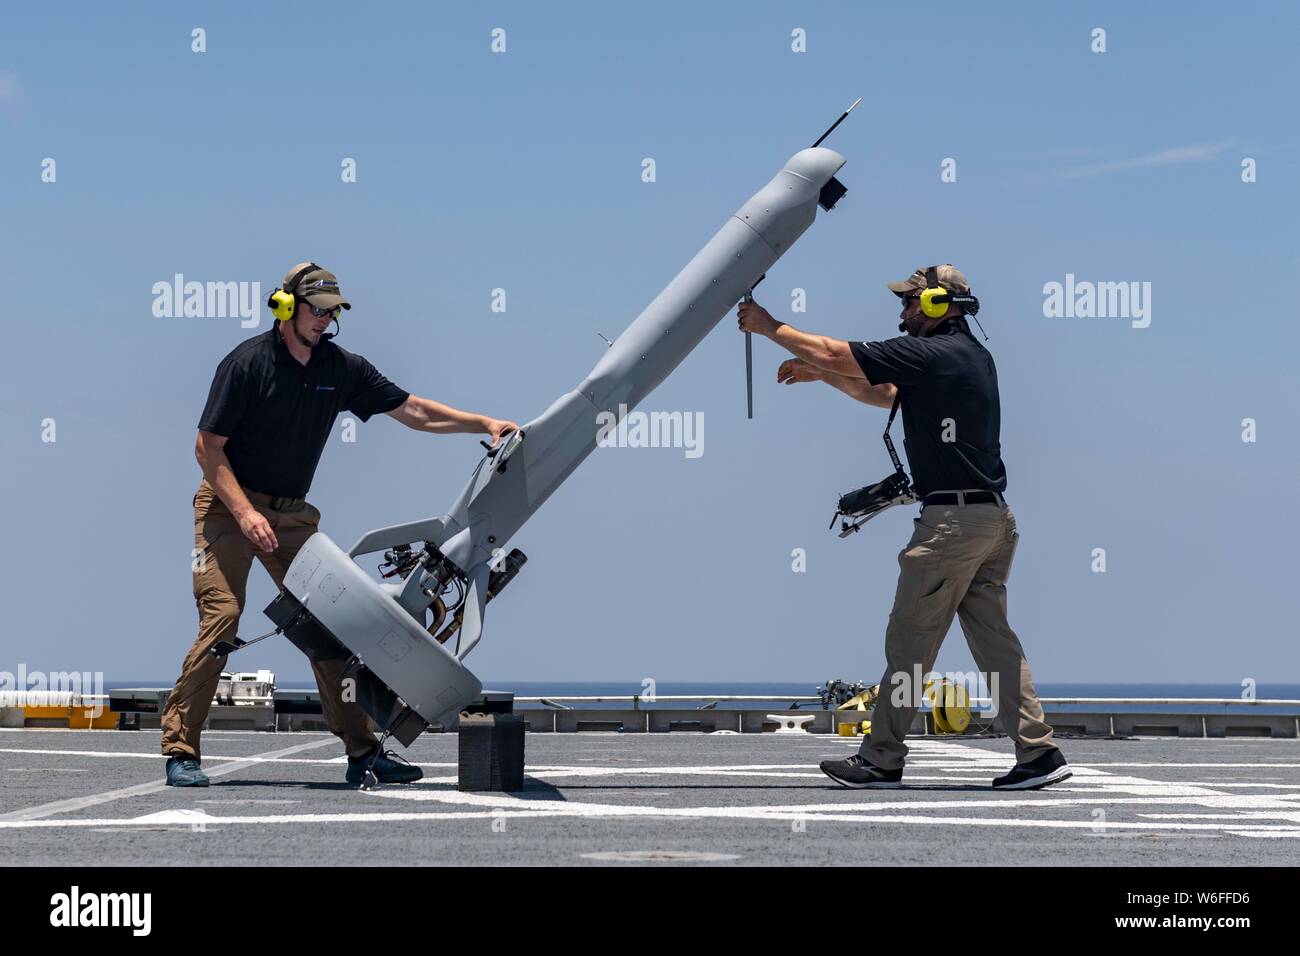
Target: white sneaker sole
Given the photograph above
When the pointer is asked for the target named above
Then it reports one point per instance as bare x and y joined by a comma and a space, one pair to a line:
1037, 783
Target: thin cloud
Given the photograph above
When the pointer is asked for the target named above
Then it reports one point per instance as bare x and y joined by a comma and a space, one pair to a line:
11, 91
1167, 157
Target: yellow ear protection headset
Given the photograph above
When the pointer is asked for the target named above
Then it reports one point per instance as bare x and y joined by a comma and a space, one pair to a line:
935, 299
282, 301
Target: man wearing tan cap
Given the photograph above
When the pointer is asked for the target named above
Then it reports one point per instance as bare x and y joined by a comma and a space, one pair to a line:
270, 410
963, 542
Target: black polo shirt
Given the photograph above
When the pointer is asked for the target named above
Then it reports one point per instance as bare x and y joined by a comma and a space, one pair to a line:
946, 375
277, 413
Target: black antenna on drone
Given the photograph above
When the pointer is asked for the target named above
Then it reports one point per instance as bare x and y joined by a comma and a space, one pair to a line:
837, 122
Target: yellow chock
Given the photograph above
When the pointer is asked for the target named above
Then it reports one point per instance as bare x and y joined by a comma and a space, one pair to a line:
848, 730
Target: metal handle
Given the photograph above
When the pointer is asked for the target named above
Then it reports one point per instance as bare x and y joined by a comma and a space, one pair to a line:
749, 362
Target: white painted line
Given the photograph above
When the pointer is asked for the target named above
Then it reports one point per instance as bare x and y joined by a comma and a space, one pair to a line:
74, 804
1262, 815
1251, 786
1193, 766
493, 811
869, 802
157, 756
1289, 817
658, 856
47, 770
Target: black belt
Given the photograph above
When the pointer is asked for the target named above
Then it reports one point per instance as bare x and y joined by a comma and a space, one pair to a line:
274, 502
963, 497
286, 504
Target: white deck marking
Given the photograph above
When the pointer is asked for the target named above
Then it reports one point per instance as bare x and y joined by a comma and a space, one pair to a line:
48, 770
1192, 766
1090, 788
1193, 808
1037, 802
607, 811
154, 755
658, 856
73, 804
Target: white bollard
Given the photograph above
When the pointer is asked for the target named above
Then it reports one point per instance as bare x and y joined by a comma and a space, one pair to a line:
790, 724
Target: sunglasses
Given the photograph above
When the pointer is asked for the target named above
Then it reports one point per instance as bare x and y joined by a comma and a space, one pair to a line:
321, 313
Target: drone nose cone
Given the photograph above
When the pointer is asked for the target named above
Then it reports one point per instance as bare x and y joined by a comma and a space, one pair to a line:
817, 164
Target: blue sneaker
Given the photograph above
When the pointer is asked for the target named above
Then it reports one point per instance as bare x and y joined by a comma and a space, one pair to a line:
183, 771
385, 769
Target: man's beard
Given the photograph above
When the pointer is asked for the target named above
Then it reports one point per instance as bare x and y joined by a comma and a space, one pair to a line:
915, 324
302, 339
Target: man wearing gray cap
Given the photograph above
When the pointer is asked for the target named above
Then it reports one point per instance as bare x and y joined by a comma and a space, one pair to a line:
962, 544
270, 410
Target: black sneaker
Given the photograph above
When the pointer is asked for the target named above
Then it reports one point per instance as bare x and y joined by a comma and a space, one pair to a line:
1040, 772
388, 767
860, 774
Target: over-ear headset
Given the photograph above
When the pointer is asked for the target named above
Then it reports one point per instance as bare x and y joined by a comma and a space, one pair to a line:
282, 301
935, 299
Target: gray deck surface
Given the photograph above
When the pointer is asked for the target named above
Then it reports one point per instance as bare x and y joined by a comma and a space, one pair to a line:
96, 797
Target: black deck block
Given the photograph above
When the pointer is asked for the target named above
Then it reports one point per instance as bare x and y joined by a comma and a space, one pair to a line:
491, 753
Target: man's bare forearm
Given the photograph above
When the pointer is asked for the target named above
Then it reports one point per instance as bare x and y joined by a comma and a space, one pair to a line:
881, 396
426, 415
819, 351
217, 470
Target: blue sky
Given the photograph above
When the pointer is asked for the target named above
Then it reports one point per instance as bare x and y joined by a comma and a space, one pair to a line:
522, 171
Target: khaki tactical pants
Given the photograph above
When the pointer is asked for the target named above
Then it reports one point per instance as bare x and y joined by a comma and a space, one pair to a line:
223, 559
956, 563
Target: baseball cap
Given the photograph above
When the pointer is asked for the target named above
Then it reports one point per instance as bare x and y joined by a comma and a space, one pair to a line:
950, 277
320, 287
